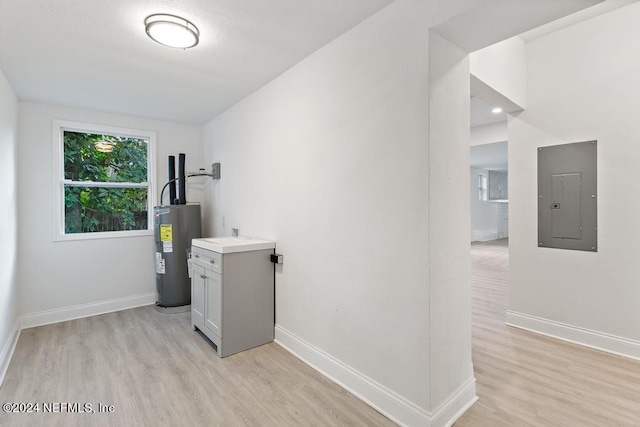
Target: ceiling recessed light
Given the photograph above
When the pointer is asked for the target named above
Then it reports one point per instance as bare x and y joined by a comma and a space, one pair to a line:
171, 31
497, 110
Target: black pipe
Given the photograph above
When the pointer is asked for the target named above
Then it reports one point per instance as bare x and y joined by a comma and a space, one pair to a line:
182, 179
172, 180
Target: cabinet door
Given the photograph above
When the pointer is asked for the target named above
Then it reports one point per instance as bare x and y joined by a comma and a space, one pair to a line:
197, 295
213, 303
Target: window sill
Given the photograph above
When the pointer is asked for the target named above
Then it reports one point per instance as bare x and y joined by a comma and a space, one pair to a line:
101, 235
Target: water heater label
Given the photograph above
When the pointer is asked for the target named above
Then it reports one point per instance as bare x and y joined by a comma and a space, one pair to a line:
166, 233
167, 247
160, 269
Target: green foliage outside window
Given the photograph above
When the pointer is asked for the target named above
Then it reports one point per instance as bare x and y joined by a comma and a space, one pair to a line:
109, 159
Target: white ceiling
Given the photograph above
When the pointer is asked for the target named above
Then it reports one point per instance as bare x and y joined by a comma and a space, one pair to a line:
481, 113
490, 156
574, 18
96, 55
477, 27
484, 98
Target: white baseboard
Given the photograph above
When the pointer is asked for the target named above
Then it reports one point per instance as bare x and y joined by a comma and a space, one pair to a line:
85, 310
390, 404
484, 235
456, 405
574, 334
8, 349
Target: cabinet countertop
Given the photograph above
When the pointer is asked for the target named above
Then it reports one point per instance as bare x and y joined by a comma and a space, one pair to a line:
226, 245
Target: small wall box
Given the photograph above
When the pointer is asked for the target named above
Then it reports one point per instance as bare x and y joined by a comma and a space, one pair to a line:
567, 196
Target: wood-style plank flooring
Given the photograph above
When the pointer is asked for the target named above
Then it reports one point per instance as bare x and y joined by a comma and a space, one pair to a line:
156, 371
525, 379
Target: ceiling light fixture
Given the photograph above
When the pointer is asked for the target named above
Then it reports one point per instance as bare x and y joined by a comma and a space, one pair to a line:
171, 31
104, 146
497, 110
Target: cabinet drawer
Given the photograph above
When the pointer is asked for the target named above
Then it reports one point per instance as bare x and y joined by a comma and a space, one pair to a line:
207, 259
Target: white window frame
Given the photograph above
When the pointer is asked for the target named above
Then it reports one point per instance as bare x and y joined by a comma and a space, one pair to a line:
483, 186
58, 128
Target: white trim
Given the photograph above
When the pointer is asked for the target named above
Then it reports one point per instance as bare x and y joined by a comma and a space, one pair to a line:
387, 402
484, 235
483, 185
575, 334
102, 235
85, 310
453, 408
8, 349
69, 183
57, 127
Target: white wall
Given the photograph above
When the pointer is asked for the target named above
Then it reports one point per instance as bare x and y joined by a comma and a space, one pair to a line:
484, 214
8, 224
451, 373
331, 160
503, 66
583, 85
108, 273
488, 134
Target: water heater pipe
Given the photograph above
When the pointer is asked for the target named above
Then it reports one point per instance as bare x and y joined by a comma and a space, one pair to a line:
182, 179
172, 180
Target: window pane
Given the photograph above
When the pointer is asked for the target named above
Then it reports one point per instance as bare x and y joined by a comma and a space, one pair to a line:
99, 209
104, 158
482, 187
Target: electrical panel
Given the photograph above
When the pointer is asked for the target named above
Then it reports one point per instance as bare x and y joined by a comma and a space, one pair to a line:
567, 196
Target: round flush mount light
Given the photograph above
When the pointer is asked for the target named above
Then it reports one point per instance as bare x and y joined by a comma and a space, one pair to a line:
497, 110
171, 30
104, 146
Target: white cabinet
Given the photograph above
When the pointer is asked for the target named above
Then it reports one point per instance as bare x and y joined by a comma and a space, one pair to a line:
198, 276
212, 299
232, 294
206, 294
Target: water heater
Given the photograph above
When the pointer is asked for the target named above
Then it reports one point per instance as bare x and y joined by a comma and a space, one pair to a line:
174, 227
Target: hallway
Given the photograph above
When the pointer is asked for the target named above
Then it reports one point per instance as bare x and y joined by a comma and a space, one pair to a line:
528, 379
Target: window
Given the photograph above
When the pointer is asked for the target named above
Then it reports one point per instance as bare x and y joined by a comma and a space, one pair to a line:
103, 179
483, 186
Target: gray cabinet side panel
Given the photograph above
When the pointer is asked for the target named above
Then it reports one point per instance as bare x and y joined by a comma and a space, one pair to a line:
248, 306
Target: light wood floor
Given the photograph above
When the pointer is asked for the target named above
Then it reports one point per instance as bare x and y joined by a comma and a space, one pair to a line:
156, 371
525, 379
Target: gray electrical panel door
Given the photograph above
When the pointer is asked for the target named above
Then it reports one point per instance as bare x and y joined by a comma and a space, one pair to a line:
567, 197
